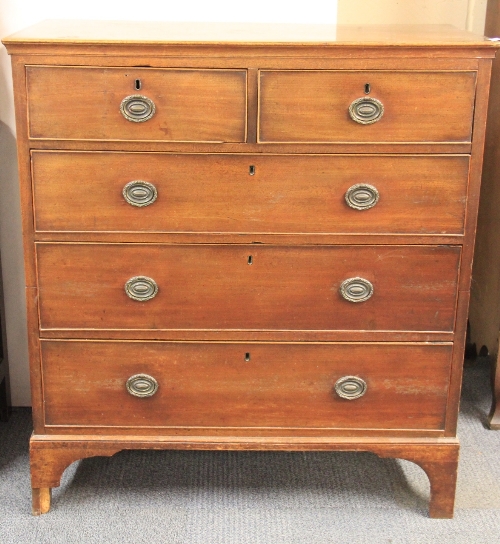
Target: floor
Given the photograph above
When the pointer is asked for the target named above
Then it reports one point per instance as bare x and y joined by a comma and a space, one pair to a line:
256, 497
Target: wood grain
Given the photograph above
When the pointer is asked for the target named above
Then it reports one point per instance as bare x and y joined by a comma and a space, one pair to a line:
296, 148
51, 455
27, 218
162, 39
214, 287
217, 193
312, 106
191, 105
237, 335
213, 385
41, 499
64, 32
303, 58
249, 238
480, 116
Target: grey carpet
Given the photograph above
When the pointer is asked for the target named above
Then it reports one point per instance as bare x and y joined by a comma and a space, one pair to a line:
180, 497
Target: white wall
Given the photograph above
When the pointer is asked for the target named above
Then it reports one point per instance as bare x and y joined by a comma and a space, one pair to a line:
18, 14
465, 14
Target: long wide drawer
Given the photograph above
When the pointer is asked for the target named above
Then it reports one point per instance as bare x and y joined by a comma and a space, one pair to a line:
153, 286
78, 191
366, 106
376, 386
136, 104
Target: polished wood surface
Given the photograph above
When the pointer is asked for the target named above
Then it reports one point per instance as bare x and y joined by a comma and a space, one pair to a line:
151, 40
66, 32
280, 385
220, 193
214, 287
51, 455
191, 105
83, 241
311, 106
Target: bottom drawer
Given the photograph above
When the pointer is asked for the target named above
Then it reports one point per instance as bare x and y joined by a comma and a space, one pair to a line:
245, 384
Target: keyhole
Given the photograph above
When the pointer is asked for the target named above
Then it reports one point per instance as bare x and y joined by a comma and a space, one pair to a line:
138, 84
247, 357
251, 170
250, 259
367, 88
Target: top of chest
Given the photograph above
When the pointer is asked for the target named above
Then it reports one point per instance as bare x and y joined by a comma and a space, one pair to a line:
59, 36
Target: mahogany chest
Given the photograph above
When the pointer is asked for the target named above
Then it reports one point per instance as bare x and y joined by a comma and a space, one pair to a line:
248, 237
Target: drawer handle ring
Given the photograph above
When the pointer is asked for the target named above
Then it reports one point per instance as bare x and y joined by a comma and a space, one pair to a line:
137, 108
356, 289
140, 193
142, 385
366, 110
361, 196
141, 288
350, 387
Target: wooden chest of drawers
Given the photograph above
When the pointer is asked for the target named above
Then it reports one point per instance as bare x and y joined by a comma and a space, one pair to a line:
248, 238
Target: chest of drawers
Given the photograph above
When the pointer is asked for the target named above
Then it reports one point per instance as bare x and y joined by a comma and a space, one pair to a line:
248, 237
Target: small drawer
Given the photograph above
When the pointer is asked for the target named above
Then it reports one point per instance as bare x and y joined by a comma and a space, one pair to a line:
247, 287
366, 106
78, 191
157, 384
136, 104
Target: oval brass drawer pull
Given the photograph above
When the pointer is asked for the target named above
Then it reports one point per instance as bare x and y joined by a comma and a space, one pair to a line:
137, 108
350, 387
141, 288
366, 110
361, 196
356, 289
140, 193
142, 385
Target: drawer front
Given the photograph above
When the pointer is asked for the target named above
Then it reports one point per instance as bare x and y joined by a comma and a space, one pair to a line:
222, 193
247, 287
85, 103
313, 106
245, 385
